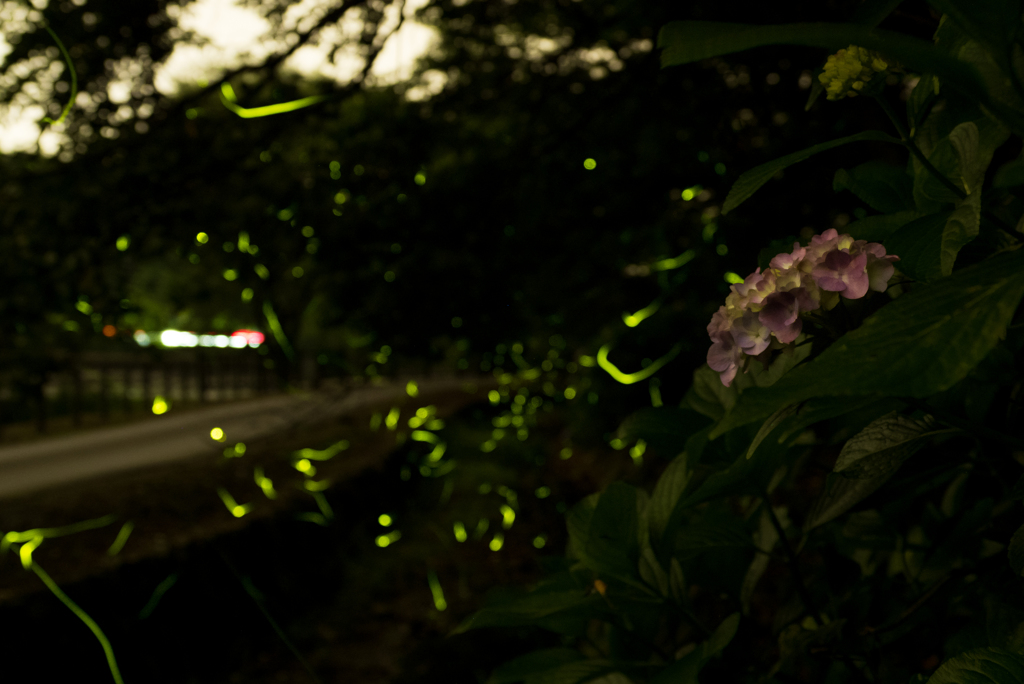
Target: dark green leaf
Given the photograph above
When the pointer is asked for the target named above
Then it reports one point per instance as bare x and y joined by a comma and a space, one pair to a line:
686, 669
749, 182
922, 343
918, 244
578, 524
981, 666
883, 187
994, 27
708, 396
744, 476
691, 41
819, 409
865, 463
532, 663
872, 12
665, 429
1016, 551
666, 494
765, 537
920, 102
1010, 175
878, 228
770, 424
579, 672
961, 228
714, 530
652, 573
545, 606
612, 546
959, 141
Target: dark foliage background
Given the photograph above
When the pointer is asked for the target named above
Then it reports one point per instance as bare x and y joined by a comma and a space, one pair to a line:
507, 239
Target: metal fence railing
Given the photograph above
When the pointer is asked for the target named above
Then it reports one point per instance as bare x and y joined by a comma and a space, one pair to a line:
102, 387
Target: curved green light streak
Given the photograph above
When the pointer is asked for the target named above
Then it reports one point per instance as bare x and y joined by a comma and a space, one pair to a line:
227, 97
676, 262
74, 78
636, 318
84, 617
122, 538
275, 327
630, 378
48, 532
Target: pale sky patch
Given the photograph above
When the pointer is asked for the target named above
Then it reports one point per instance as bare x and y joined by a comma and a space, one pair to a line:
19, 128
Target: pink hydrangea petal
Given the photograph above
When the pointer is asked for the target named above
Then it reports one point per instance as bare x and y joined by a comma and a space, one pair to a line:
790, 332
879, 272
779, 312
827, 281
720, 357
856, 284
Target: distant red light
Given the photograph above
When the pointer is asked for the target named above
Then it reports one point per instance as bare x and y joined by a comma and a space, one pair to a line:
251, 337
109, 330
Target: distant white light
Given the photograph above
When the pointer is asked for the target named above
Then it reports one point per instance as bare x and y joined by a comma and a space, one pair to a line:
180, 338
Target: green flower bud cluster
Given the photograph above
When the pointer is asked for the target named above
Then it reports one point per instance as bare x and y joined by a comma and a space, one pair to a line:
848, 71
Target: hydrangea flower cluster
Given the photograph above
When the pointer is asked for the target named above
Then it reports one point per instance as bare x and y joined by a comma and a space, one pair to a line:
848, 71
764, 310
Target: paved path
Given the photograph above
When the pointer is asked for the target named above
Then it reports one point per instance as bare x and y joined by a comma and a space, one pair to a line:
48, 462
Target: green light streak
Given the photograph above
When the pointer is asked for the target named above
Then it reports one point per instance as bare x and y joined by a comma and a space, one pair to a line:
122, 538
25, 552
637, 452
315, 518
656, 401
229, 100
277, 330
84, 617
508, 516
74, 78
236, 509
668, 264
436, 591
264, 483
391, 422
460, 531
324, 454
733, 278
635, 319
325, 508
50, 532
158, 594
424, 436
630, 378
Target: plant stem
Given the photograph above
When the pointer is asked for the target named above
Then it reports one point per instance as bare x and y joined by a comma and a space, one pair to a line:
108, 650
794, 565
908, 141
251, 590
916, 151
801, 587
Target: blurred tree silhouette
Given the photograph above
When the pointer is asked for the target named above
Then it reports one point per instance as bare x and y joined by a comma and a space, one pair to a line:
472, 204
